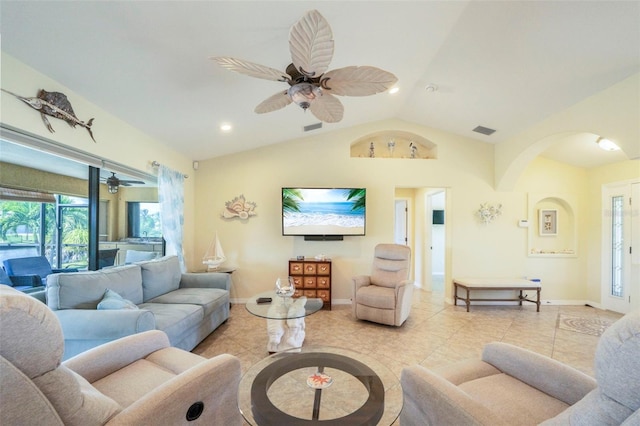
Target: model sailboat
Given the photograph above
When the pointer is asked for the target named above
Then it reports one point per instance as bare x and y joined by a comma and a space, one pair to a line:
214, 257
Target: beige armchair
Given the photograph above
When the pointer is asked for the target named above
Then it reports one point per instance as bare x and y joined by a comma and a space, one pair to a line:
514, 386
135, 380
385, 295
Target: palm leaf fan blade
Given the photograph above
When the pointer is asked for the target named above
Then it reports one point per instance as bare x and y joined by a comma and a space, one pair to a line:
327, 108
311, 44
273, 103
359, 81
251, 69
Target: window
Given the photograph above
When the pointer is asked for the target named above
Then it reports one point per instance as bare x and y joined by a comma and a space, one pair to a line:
56, 228
143, 220
617, 246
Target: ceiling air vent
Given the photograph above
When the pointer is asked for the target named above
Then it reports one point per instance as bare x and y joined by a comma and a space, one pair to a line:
484, 130
311, 127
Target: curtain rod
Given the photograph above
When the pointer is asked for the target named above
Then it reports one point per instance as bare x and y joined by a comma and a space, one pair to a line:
154, 163
30, 140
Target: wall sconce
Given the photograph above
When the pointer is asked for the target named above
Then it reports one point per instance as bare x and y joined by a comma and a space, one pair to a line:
487, 213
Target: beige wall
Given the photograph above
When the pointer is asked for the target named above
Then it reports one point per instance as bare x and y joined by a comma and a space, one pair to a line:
612, 113
26, 178
116, 140
465, 168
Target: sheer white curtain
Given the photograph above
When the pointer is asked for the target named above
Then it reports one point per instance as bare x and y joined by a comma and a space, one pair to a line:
171, 198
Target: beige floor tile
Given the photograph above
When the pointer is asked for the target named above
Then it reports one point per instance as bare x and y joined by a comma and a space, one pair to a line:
435, 335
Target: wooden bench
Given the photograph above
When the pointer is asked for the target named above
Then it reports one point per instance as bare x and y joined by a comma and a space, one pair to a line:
518, 284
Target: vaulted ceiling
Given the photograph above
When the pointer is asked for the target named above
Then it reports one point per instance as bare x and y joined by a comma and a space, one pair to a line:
505, 65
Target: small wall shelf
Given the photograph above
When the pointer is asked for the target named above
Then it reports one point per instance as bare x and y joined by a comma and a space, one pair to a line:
553, 229
394, 144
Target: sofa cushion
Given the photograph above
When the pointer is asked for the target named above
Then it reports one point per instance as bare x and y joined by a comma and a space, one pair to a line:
113, 300
209, 298
616, 366
160, 276
4, 278
20, 317
174, 319
517, 402
76, 400
377, 297
84, 290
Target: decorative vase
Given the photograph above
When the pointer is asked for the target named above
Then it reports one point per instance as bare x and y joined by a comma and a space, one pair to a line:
285, 287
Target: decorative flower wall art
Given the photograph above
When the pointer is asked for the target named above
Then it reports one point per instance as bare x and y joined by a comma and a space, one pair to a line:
239, 207
487, 212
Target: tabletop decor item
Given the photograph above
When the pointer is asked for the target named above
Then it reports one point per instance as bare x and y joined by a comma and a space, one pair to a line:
214, 256
285, 287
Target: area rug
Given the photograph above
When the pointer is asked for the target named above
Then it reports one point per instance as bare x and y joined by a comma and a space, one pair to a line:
592, 326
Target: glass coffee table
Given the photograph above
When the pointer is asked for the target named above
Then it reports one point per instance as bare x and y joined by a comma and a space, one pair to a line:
320, 385
285, 318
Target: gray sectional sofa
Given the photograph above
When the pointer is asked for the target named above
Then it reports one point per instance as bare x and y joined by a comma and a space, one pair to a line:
151, 295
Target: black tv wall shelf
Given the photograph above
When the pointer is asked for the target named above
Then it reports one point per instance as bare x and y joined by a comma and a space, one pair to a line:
324, 237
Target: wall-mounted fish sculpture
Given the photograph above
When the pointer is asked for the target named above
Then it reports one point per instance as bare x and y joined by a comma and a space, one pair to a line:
56, 105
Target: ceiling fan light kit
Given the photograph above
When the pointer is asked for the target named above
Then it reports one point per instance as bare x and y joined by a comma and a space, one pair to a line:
303, 94
311, 85
113, 183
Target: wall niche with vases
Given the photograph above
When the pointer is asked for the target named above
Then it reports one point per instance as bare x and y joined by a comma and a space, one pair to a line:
552, 225
394, 144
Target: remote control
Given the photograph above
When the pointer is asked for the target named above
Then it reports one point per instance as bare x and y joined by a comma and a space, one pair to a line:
261, 300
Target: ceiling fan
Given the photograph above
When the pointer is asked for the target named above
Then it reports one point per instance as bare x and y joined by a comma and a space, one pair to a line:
311, 85
113, 183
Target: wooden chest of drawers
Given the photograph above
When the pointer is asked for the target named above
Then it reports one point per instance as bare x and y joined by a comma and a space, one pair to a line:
312, 278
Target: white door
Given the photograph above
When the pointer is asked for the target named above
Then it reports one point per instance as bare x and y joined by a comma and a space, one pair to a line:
401, 221
634, 275
620, 266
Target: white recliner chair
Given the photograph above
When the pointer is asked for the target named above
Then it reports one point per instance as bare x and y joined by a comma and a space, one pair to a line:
136, 380
385, 295
514, 386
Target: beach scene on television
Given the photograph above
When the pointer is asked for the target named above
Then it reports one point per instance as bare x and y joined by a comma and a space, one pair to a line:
323, 211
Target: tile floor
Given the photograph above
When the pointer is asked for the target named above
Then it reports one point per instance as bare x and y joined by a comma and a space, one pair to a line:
435, 334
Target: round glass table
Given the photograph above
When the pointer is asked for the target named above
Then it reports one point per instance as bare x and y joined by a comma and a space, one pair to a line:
285, 318
320, 385
279, 308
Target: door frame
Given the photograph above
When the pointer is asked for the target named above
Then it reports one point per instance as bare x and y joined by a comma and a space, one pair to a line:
631, 290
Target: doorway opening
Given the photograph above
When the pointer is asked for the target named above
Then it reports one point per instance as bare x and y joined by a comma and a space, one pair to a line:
620, 233
419, 222
437, 203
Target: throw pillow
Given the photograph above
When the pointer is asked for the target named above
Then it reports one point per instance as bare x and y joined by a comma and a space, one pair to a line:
112, 300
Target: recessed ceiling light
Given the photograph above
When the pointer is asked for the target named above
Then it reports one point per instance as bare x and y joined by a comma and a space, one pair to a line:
394, 90
431, 87
607, 145
225, 127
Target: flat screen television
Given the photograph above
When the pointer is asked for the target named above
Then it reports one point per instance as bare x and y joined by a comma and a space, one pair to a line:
323, 211
438, 217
